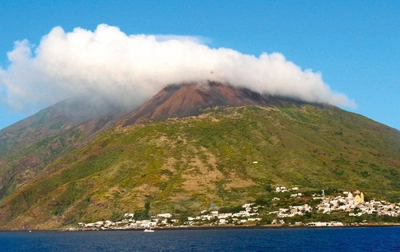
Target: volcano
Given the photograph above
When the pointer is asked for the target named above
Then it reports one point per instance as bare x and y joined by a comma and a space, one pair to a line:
74, 162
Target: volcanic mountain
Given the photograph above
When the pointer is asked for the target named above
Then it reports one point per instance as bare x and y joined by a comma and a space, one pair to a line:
191, 147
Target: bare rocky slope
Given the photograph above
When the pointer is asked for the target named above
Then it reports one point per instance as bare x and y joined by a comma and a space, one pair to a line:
189, 99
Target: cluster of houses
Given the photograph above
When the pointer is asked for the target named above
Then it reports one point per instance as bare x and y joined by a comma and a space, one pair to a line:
128, 222
249, 214
353, 203
291, 211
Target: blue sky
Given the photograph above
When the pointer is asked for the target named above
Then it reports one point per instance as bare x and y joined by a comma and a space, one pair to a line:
354, 45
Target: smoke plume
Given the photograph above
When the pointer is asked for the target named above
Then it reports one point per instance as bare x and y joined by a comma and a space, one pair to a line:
129, 69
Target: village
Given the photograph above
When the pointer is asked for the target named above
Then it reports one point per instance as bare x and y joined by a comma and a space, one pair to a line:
351, 204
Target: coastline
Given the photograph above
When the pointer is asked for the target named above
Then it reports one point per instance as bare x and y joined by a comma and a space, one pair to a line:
364, 225
245, 227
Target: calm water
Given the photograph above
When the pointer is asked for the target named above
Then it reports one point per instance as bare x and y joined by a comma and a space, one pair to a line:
282, 239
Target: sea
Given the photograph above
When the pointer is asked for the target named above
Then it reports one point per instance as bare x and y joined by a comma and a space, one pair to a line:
219, 239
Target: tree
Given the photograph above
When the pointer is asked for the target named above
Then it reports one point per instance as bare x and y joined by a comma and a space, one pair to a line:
147, 209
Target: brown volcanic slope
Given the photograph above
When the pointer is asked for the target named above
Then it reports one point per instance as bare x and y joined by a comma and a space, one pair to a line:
187, 100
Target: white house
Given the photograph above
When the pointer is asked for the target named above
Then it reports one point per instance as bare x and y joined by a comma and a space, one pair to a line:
164, 215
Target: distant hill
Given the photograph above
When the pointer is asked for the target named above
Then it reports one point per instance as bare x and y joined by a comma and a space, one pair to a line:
190, 147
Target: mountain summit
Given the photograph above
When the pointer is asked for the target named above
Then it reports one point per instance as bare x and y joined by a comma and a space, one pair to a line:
188, 100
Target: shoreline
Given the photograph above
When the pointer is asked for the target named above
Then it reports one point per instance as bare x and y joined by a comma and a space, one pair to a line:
210, 228
243, 227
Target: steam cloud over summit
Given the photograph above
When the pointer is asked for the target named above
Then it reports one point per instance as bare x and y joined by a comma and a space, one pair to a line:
130, 69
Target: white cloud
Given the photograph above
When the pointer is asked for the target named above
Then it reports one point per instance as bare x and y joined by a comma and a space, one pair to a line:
132, 68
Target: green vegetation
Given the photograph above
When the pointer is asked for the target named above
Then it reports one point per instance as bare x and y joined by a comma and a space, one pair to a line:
223, 158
